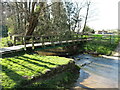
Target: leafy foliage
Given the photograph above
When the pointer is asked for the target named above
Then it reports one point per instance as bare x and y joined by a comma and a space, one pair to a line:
89, 30
4, 41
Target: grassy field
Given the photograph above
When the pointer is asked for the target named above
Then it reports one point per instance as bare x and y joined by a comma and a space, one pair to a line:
18, 70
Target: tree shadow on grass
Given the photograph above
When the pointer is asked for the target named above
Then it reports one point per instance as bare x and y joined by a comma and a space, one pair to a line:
21, 65
40, 60
13, 75
33, 63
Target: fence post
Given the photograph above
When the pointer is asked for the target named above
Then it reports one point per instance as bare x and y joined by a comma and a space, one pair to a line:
14, 39
40, 40
72, 37
53, 37
67, 38
110, 38
60, 39
77, 37
24, 40
42, 37
33, 43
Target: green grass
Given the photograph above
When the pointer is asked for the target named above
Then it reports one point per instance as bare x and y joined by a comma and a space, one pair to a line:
18, 70
60, 81
102, 45
97, 35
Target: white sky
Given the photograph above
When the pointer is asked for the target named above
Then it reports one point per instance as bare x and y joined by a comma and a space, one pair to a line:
106, 16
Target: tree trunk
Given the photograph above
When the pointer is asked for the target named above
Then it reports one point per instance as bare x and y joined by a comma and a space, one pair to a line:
33, 20
88, 4
32, 25
17, 18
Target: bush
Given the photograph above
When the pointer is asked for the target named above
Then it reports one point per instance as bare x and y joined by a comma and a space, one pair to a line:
6, 42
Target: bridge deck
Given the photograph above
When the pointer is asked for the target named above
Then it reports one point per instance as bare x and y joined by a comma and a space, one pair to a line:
21, 47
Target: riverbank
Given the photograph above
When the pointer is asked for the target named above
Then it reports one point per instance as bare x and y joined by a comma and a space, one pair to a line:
98, 48
115, 54
101, 45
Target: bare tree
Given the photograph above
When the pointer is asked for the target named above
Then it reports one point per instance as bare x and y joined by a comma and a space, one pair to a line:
77, 16
86, 17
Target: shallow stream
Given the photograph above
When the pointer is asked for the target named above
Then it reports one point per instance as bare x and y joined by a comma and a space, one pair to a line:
97, 72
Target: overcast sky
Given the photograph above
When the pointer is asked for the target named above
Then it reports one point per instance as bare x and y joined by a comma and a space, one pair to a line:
105, 14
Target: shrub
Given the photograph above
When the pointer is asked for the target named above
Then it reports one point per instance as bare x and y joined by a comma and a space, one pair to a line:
6, 42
